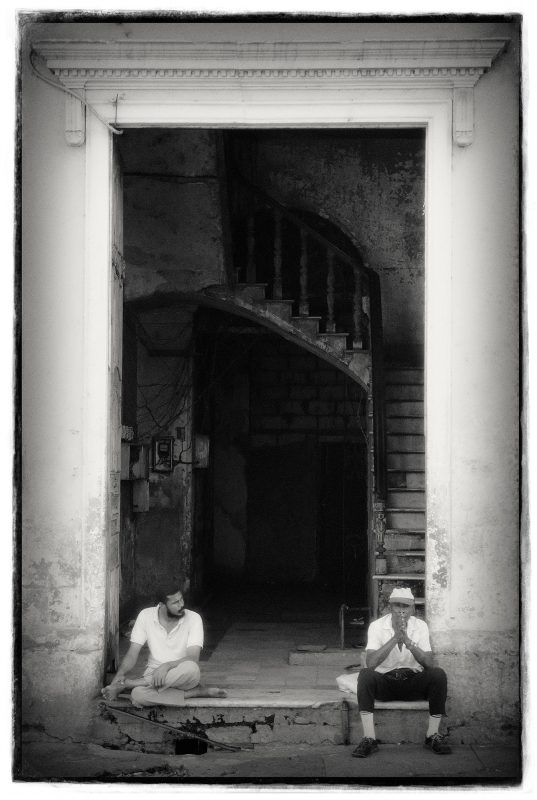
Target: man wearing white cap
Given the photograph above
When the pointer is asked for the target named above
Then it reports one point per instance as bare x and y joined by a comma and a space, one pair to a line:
400, 667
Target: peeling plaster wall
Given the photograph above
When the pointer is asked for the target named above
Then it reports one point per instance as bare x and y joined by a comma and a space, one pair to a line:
172, 212
62, 551
164, 530
473, 568
371, 185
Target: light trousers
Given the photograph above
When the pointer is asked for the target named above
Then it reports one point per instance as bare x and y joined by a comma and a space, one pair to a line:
185, 675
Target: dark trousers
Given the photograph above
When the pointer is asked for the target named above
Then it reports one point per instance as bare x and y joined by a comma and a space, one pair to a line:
431, 685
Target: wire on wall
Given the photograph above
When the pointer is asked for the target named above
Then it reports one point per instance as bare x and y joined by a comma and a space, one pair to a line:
58, 85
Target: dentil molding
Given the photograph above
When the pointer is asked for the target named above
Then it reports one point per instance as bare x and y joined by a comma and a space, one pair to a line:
455, 64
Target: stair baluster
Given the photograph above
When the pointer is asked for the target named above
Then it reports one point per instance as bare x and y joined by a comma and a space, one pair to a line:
250, 263
277, 292
304, 306
330, 287
357, 312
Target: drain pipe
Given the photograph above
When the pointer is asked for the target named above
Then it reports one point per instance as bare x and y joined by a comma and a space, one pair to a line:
342, 610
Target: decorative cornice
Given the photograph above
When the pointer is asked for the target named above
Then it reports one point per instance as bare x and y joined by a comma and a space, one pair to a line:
271, 58
454, 64
453, 75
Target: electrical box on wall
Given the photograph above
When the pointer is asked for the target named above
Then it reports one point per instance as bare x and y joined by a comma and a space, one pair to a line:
163, 454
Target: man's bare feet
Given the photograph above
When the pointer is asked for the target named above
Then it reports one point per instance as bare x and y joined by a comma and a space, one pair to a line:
205, 691
111, 691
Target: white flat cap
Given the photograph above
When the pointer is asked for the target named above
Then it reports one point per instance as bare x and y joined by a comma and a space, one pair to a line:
402, 595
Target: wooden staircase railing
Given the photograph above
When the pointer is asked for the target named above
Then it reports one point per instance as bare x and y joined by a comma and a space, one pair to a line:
262, 224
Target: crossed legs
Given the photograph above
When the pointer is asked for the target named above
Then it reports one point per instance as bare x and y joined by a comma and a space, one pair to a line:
180, 683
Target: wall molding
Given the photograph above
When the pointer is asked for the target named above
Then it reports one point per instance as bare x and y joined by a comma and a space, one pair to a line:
377, 65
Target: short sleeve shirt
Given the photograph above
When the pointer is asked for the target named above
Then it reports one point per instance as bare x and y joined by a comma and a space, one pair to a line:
163, 645
381, 631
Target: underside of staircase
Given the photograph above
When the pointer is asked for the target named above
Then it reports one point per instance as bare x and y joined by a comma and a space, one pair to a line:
250, 301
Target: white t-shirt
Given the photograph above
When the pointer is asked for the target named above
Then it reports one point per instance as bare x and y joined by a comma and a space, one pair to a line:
381, 631
163, 645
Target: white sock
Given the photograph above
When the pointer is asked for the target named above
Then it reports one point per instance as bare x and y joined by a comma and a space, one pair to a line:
368, 724
434, 724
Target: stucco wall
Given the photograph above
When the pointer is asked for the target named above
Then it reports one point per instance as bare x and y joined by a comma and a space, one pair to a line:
474, 601
164, 529
63, 511
172, 212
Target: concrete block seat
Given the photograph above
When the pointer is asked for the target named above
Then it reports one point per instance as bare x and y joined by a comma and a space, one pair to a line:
391, 705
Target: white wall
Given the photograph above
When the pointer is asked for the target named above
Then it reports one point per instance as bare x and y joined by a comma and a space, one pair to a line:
62, 564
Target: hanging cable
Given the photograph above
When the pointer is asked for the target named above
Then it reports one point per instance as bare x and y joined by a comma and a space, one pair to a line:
58, 85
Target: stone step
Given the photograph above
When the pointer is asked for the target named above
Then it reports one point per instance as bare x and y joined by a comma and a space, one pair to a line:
406, 498
394, 723
405, 562
404, 540
406, 479
307, 325
335, 342
405, 461
405, 443
405, 519
405, 425
405, 408
404, 375
251, 292
283, 309
328, 724
261, 723
399, 391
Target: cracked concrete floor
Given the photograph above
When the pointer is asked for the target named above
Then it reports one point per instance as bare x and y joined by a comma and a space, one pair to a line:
301, 764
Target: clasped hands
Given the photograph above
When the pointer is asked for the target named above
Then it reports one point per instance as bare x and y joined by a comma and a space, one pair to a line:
399, 626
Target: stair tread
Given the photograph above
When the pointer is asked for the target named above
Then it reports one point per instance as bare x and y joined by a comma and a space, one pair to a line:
404, 531
403, 383
406, 469
305, 317
405, 552
397, 576
405, 452
404, 489
405, 416
273, 300
405, 509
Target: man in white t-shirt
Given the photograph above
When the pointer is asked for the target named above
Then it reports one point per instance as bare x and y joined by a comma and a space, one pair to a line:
400, 667
174, 636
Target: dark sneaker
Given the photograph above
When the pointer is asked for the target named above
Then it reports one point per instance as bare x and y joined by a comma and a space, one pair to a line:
437, 744
365, 748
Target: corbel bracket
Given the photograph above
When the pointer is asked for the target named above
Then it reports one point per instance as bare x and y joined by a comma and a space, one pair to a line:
75, 121
463, 116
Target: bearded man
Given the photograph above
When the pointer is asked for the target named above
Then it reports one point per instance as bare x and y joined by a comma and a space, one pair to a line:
174, 636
